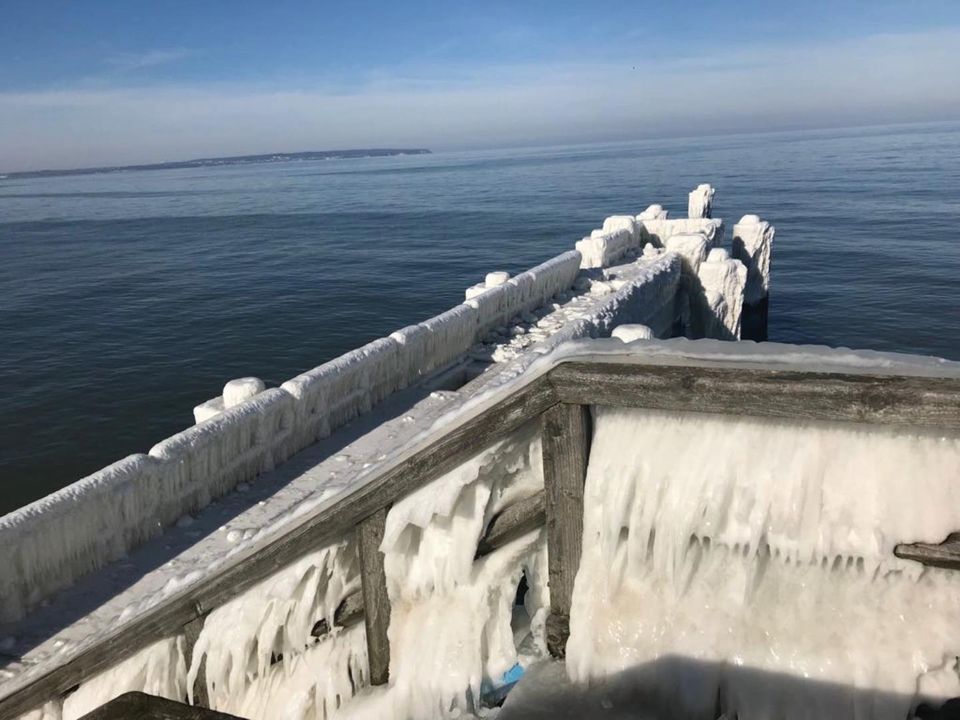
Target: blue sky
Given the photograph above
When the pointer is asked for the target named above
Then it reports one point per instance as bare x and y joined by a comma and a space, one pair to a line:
101, 82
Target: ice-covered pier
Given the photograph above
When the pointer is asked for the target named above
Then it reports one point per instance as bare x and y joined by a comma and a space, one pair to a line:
408, 529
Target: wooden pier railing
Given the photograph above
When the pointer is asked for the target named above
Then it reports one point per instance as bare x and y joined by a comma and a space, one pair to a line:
560, 398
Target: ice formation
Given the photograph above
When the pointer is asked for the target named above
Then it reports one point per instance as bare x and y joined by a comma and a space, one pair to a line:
653, 212
604, 247
234, 393
156, 670
750, 563
316, 683
700, 203
629, 333
623, 222
722, 280
752, 245
491, 280
452, 625
692, 247
241, 640
658, 230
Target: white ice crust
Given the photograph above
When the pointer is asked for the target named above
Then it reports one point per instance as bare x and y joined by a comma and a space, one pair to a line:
605, 247
631, 332
753, 246
721, 549
700, 203
722, 280
659, 230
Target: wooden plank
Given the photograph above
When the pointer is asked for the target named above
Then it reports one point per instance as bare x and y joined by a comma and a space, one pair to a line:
566, 446
796, 395
943, 555
512, 522
250, 567
140, 706
376, 603
349, 612
191, 631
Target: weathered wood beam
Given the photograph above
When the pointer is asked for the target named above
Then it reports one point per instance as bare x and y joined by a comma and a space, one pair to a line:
191, 632
248, 568
349, 612
565, 437
943, 555
376, 603
791, 394
150, 707
515, 520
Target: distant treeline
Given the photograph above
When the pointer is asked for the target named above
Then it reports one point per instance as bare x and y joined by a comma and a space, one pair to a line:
237, 160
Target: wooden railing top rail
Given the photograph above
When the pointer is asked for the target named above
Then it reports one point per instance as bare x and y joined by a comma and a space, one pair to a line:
713, 380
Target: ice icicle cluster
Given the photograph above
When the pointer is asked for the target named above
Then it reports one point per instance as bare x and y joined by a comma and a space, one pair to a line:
159, 669
751, 563
312, 685
700, 201
722, 280
452, 622
241, 640
753, 245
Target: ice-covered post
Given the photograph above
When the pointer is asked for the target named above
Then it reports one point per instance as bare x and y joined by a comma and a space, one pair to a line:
700, 203
722, 282
565, 440
753, 245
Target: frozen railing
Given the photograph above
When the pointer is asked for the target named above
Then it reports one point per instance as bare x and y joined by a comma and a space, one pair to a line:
770, 382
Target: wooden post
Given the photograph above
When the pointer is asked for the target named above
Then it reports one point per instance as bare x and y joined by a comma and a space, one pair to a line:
191, 631
566, 445
376, 604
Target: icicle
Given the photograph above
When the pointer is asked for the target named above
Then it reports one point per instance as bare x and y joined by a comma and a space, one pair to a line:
756, 547
158, 669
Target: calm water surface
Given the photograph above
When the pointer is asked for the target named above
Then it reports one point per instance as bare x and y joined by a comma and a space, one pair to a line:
129, 298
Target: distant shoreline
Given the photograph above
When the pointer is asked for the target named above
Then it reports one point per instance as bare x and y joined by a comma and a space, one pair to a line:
233, 160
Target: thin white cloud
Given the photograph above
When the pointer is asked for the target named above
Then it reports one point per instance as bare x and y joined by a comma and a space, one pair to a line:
147, 58
883, 78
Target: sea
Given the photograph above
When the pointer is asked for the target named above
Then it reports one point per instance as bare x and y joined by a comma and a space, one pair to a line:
129, 297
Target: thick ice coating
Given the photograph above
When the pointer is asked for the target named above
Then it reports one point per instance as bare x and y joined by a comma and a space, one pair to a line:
752, 245
241, 639
452, 625
723, 281
629, 333
751, 563
158, 669
700, 203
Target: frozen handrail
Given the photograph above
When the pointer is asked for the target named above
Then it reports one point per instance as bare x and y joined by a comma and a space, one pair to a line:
700, 377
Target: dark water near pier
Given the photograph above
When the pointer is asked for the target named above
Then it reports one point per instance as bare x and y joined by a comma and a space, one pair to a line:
129, 298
